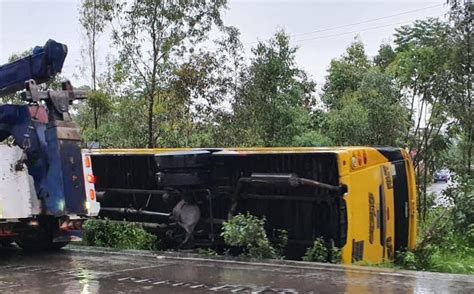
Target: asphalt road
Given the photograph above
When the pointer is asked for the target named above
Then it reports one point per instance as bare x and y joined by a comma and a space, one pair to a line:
87, 270
437, 189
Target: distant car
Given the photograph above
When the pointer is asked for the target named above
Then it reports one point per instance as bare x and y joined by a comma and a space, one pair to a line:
441, 176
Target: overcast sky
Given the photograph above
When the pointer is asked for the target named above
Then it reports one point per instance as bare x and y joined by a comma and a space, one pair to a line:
321, 29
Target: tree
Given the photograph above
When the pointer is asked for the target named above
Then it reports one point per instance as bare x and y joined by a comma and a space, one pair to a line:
312, 138
366, 107
386, 110
461, 15
349, 125
345, 74
202, 85
386, 55
94, 17
273, 102
152, 35
424, 52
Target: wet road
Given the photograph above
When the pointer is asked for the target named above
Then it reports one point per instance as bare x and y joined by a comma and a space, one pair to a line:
77, 270
437, 189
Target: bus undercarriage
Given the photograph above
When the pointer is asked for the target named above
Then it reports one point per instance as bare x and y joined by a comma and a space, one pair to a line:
185, 196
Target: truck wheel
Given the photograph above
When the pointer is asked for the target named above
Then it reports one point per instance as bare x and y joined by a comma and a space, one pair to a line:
40, 238
39, 244
6, 242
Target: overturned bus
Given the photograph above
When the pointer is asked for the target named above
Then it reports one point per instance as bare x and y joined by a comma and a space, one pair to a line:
360, 199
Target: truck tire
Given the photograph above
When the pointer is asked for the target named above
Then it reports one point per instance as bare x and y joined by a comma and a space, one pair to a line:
6, 242
39, 244
40, 238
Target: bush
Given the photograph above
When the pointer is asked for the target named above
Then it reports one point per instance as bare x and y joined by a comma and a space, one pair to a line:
406, 260
208, 252
320, 252
248, 232
462, 212
281, 241
105, 233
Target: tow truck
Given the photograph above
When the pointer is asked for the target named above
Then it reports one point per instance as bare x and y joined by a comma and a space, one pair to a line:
46, 192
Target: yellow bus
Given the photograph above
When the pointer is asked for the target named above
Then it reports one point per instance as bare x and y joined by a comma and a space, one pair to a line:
359, 199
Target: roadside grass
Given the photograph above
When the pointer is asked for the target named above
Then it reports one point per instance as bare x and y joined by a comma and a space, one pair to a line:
446, 234
448, 262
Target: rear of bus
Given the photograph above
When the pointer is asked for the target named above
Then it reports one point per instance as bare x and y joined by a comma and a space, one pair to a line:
381, 203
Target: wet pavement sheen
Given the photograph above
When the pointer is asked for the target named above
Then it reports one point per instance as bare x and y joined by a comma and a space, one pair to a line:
86, 270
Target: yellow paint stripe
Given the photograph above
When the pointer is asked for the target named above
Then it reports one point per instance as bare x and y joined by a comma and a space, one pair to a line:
253, 150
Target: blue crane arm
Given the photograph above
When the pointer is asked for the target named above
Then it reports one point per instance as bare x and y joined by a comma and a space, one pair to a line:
41, 66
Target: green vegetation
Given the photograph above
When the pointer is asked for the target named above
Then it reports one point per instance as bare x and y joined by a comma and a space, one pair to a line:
106, 233
446, 238
247, 232
208, 252
321, 252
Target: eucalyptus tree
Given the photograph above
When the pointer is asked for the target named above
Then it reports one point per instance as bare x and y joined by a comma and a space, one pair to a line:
201, 87
153, 36
345, 75
95, 16
273, 103
462, 19
422, 67
365, 105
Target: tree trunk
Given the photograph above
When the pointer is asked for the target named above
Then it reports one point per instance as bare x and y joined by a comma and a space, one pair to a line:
93, 63
151, 143
425, 182
96, 118
469, 85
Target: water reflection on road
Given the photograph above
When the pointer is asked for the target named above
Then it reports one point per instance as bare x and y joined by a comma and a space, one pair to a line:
96, 271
